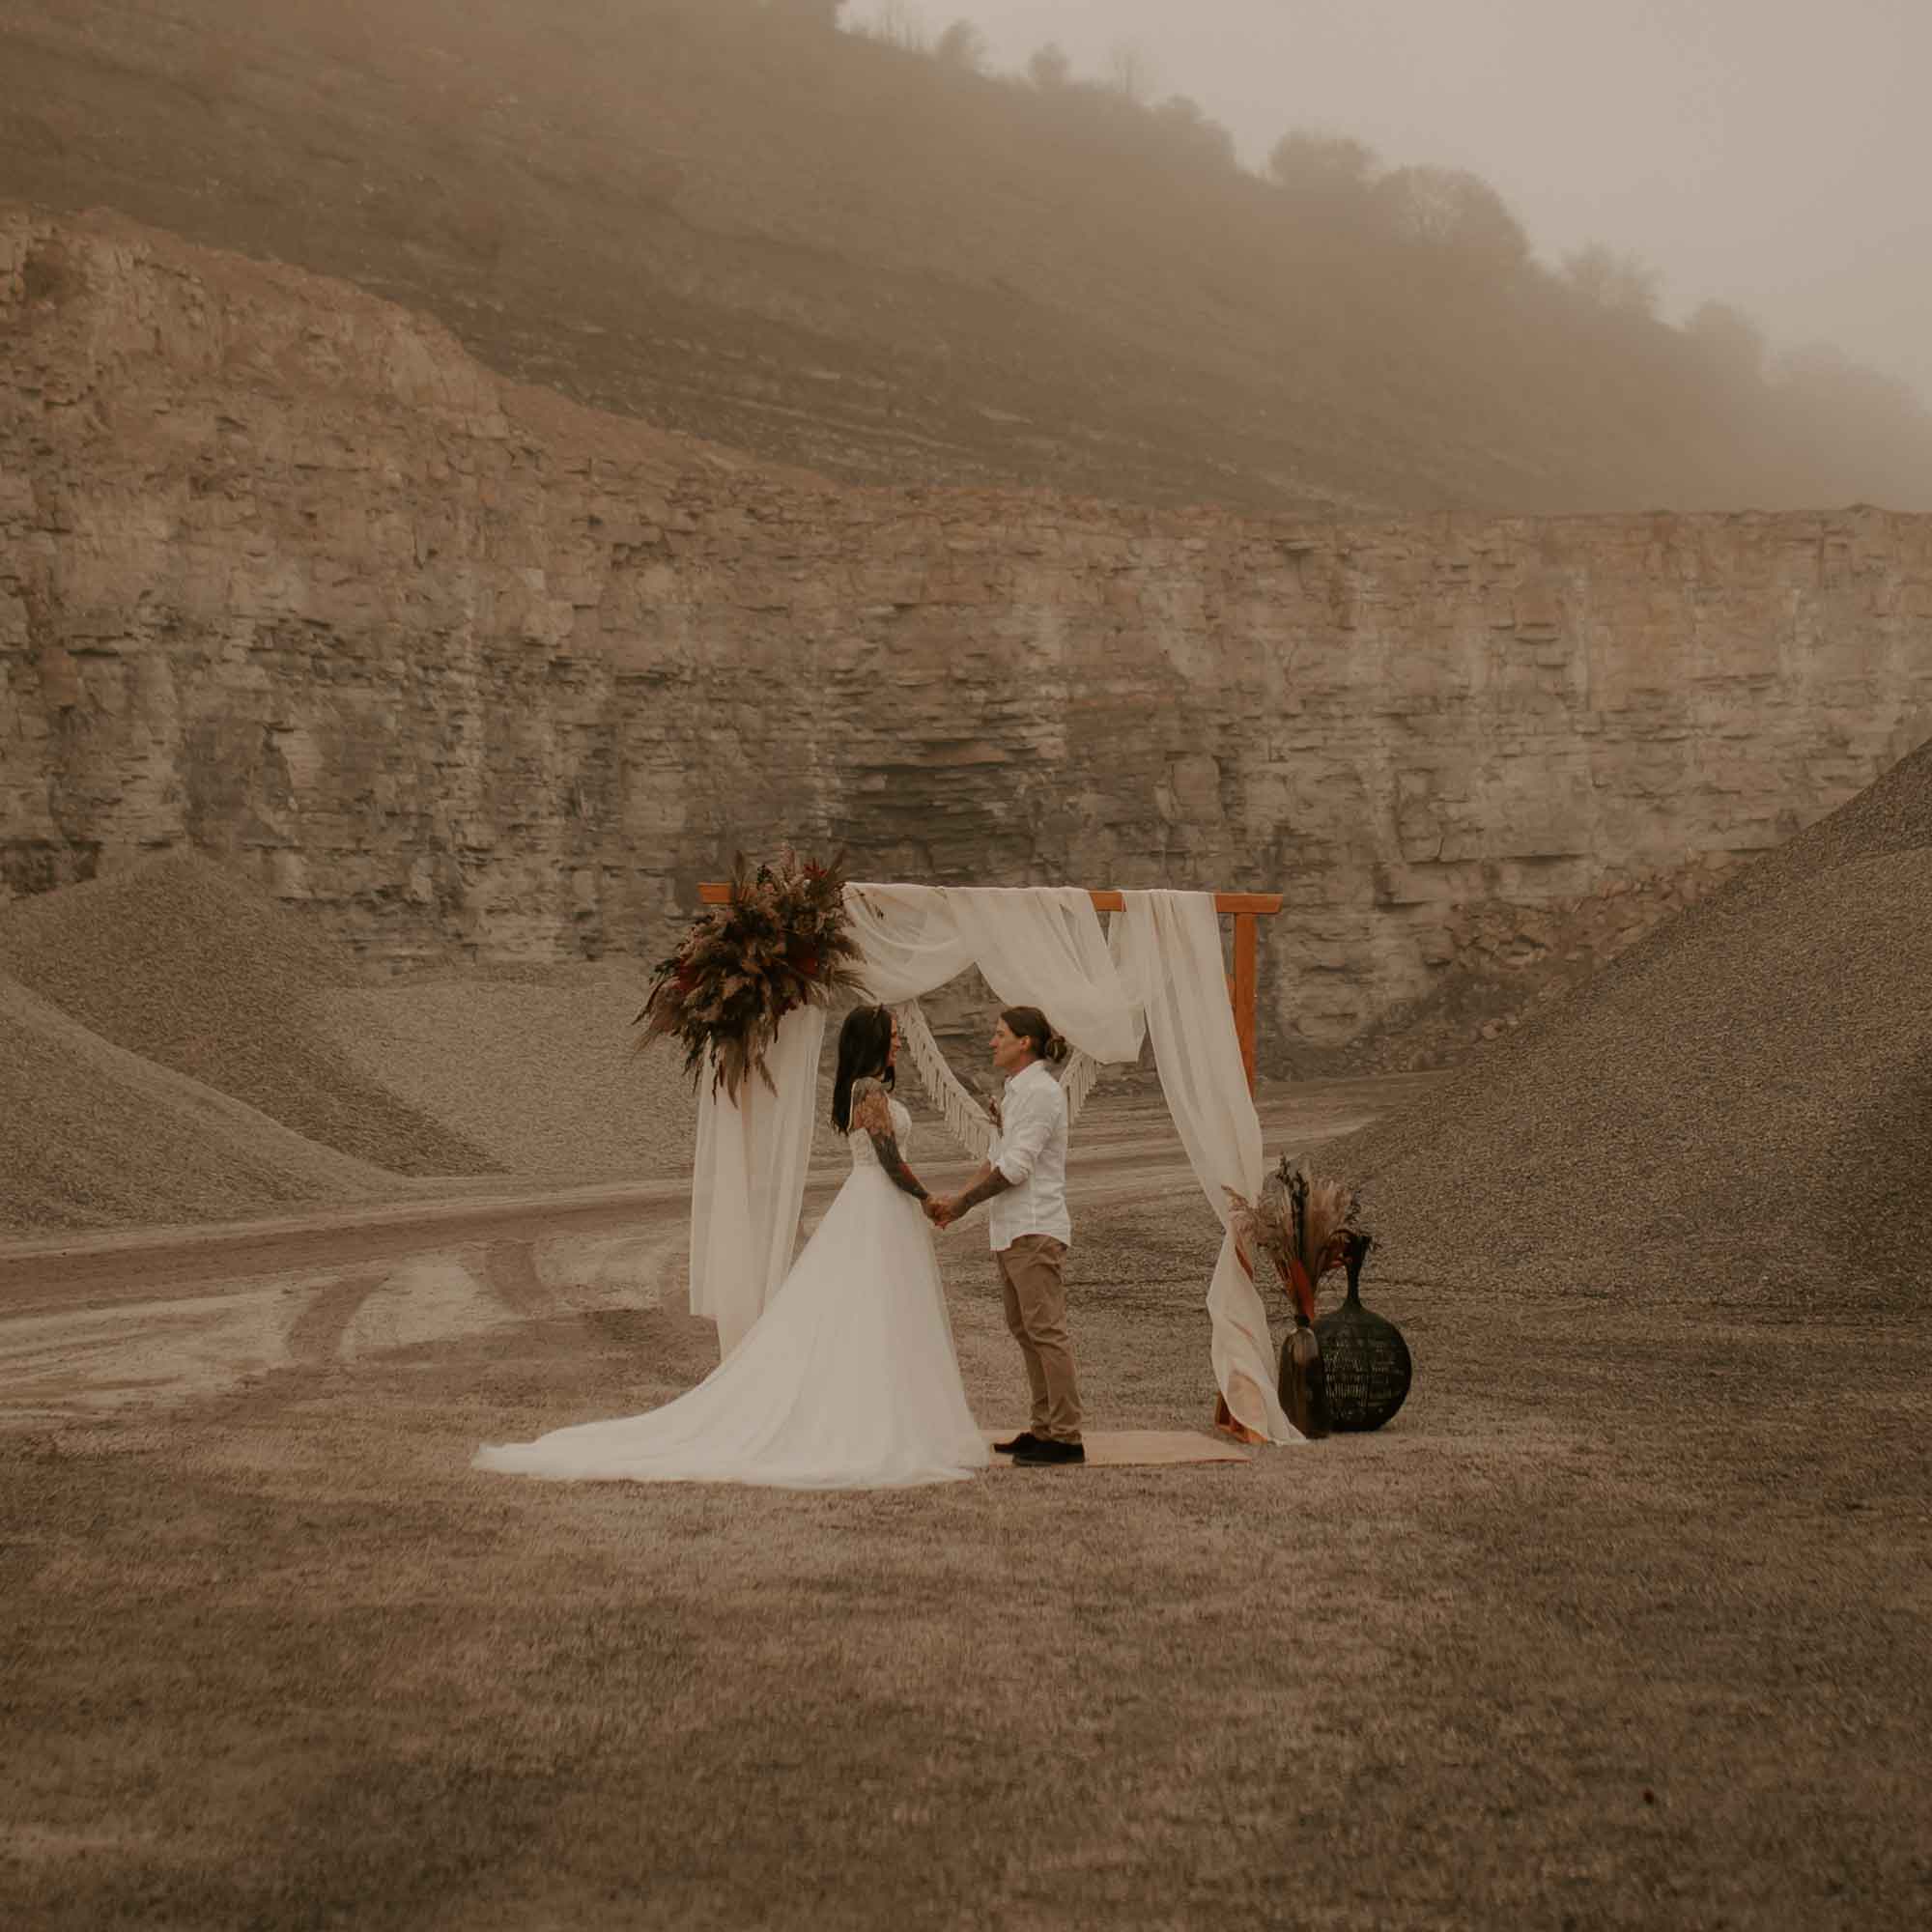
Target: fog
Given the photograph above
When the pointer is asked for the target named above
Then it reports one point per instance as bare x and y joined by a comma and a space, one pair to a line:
1764, 153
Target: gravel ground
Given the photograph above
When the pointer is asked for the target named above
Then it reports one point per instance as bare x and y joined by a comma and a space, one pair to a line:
1590, 1636
1738, 1111
542, 1067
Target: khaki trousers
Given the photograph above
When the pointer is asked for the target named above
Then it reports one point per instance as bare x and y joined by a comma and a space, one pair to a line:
1035, 1297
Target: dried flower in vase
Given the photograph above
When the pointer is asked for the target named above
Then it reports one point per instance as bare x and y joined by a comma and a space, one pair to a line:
1300, 1223
1305, 1226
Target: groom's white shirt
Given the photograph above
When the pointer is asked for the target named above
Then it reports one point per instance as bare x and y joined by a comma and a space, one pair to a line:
1030, 1151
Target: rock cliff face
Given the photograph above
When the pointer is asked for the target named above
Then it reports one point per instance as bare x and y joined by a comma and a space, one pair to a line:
284, 575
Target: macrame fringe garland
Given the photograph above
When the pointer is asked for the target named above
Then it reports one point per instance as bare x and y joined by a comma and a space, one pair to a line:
963, 1110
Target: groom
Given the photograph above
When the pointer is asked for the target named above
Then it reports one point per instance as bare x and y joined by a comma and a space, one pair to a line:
1025, 1179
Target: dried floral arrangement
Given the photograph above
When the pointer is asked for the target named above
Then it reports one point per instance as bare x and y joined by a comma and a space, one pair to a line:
781, 942
1306, 1227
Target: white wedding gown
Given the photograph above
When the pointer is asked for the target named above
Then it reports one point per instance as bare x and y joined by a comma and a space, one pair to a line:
847, 1380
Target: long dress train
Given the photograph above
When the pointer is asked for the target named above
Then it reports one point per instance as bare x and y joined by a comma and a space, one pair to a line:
849, 1380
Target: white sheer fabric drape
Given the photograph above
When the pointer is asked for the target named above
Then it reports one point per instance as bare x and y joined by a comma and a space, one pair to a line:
1041, 946
1173, 940
1037, 947
747, 1180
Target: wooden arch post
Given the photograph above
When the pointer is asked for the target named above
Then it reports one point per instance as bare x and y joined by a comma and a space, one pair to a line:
1243, 983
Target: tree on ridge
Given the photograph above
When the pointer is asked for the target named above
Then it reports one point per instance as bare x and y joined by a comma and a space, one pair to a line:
1049, 69
1624, 284
1304, 159
1194, 130
1455, 217
962, 45
1130, 73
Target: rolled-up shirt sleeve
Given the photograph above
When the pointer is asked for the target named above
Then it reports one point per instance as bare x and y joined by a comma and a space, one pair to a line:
1022, 1144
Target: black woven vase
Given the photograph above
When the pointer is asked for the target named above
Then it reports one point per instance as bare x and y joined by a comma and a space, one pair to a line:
1365, 1357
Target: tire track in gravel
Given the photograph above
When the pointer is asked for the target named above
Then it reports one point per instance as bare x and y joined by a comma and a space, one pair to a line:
509, 1271
327, 1310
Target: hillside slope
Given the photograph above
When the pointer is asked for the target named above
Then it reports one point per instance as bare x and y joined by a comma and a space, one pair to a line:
844, 257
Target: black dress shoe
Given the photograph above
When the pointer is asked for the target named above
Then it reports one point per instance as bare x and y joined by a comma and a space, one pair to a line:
1043, 1454
1014, 1445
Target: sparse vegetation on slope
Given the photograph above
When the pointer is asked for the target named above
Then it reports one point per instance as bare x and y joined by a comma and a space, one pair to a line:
889, 266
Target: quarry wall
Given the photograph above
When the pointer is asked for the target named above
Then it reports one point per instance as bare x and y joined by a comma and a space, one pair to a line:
286, 575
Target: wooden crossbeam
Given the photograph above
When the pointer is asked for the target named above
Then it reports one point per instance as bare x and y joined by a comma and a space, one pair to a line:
1262, 904
1243, 984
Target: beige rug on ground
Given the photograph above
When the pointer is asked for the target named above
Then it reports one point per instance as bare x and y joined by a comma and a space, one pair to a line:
1118, 1447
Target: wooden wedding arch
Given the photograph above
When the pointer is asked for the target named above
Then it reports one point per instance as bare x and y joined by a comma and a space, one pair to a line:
1243, 983
1243, 995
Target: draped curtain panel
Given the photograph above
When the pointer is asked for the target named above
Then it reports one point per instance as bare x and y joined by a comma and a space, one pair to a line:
1176, 940
1160, 974
747, 1180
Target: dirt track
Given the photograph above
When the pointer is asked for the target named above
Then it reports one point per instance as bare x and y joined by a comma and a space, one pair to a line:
88, 1324
1622, 1623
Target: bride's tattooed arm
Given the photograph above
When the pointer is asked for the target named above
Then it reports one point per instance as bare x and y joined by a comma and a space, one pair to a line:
872, 1112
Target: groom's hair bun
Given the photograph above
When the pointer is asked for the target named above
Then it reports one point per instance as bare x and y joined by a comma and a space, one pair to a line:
1031, 1024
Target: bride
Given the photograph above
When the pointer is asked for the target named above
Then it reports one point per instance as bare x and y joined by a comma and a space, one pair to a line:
849, 1379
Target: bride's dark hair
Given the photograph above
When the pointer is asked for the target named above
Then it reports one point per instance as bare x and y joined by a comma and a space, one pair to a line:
865, 1052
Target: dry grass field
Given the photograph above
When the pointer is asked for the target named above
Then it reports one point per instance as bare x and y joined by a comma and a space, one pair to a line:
1623, 1622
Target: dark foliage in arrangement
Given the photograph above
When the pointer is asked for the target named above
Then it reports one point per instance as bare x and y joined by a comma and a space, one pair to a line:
781, 942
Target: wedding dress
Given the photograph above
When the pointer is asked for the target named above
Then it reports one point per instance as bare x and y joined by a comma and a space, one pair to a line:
849, 1380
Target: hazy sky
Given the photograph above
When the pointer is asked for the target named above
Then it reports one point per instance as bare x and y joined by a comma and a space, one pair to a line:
1776, 154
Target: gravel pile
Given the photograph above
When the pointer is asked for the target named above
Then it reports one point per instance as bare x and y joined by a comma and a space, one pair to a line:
93, 1136
1738, 1111
194, 969
538, 1067
1511, 960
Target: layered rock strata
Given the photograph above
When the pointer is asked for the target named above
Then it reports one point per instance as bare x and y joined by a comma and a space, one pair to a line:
285, 575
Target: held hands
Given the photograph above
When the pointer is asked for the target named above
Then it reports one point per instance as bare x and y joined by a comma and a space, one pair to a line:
943, 1213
